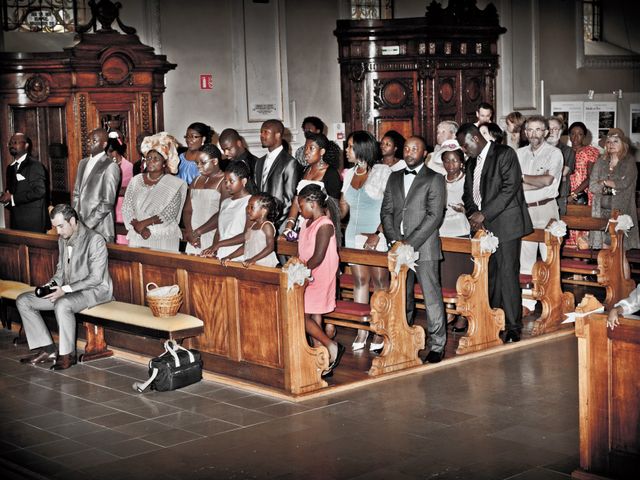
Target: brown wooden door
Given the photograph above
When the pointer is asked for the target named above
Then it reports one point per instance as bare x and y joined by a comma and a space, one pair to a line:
46, 127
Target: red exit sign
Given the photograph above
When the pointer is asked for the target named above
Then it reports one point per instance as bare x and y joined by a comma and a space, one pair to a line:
206, 81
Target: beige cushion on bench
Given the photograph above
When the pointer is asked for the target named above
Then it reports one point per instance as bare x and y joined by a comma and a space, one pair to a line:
141, 316
10, 289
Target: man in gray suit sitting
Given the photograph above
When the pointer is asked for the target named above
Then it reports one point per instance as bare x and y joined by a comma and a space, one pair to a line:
96, 189
412, 211
81, 281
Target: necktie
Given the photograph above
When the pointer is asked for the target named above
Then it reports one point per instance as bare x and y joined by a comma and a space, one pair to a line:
409, 172
265, 171
477, 198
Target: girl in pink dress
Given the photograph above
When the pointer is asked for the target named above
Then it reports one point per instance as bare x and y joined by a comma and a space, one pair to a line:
318, 250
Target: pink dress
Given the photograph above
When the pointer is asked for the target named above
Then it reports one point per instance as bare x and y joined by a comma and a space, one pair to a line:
320, 295
126, 169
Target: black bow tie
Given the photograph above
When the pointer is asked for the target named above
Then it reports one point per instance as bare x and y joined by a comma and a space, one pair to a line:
410, 172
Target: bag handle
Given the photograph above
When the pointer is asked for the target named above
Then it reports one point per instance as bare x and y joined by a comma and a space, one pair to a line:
177, 346
141, 387
155, 285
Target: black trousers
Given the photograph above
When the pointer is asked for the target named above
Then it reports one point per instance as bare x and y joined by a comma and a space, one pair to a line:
504, 283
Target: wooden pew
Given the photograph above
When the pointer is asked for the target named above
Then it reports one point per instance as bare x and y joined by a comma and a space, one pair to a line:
471, 298
612, 269
385, 315
253, 325
546, 285
609, 402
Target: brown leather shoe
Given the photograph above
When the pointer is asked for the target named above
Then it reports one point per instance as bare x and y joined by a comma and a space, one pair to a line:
40, 357
65, 361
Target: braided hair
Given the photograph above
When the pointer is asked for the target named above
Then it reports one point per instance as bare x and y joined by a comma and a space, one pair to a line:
314, 193
240, 170
264, 200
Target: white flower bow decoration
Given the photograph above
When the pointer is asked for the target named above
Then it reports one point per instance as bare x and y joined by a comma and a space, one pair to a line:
558, 229
624, 223
297, 273
489, 243
406, 255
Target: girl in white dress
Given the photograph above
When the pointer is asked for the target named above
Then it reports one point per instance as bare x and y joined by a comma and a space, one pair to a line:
203, 199
259, 238
231, 220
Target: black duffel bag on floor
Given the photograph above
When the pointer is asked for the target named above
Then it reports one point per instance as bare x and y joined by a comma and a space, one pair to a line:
177, 367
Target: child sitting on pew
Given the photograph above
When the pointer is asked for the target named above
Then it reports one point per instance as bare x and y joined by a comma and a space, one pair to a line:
259, 238
318, 249
231, 220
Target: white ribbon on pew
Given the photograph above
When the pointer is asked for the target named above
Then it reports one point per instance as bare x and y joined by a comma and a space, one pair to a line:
297, 274
558, 229
489, 243
406, 255
571, 317
623, 223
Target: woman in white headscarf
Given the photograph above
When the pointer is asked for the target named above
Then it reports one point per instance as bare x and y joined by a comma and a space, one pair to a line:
154, 199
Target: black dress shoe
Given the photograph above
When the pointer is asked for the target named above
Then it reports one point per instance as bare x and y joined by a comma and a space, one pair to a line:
511, 337
434, 357
336, 361
459, 329
65, 361
40, 357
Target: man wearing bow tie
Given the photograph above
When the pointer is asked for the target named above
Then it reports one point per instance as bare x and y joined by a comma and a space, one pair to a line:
412, 211
26, 187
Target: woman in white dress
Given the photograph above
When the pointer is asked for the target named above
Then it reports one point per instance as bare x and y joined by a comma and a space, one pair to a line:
203, 199
231, 220
153, 201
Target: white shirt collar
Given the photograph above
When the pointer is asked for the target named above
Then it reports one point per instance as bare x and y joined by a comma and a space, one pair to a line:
18, 161
485, 151
416, 169
274, 153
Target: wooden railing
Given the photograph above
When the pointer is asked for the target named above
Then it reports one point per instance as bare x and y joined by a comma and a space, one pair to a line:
609, 396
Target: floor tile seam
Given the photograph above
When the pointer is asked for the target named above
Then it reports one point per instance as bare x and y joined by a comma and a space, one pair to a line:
175, 444
533, 470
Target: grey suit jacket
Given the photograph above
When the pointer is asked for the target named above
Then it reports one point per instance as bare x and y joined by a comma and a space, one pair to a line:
86, 270
281, 180
421, 210
95, 199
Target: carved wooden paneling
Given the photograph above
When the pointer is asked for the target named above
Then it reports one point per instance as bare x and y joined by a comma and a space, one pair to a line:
42, 265
208, 298
122, 276
451, 53
260, 325
159, 275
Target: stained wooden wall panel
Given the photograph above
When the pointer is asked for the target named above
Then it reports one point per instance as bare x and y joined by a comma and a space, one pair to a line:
42, 265
209, 300
122, 277
11, 265
260, 324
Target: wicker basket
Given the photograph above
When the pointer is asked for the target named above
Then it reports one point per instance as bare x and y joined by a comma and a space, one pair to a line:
163, 301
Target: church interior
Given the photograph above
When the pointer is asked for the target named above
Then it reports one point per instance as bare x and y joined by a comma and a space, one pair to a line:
564, 402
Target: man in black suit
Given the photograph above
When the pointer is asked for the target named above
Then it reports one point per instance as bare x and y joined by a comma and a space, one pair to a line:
26, 187
234, 150
494, 200
277, 173
412, 211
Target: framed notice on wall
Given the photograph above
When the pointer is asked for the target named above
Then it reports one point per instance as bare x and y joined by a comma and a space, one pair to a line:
599, 117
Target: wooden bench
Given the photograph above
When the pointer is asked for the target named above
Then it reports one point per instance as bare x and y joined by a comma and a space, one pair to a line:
470, 298
545, 283
253, 325
384, 315
609, 403
612, 269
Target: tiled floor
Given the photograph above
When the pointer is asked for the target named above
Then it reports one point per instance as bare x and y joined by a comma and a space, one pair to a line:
512, 415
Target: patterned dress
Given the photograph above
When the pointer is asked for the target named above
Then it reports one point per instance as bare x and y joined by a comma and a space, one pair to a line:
585, 156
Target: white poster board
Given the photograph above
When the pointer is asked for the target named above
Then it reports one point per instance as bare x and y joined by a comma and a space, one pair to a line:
569, 111
599, 117
634, 121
